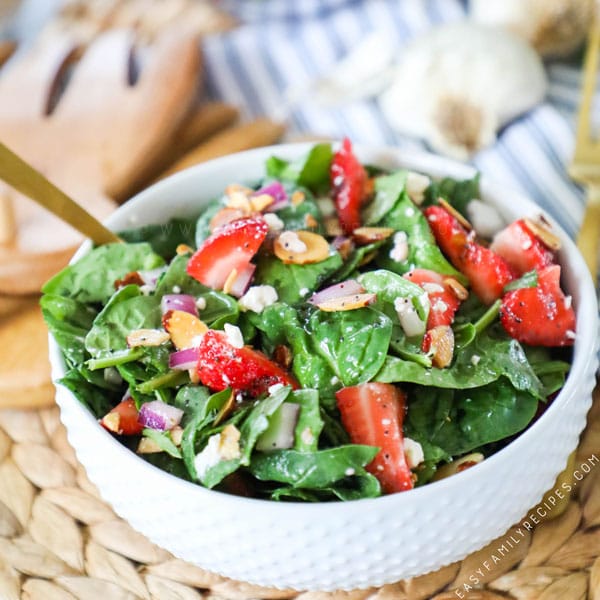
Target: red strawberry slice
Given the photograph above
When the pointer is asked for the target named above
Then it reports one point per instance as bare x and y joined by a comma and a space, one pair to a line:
442, 296
221, 365
372, 414
230, 246
541, 315
123, 419
349, 181
487, 272
521, 249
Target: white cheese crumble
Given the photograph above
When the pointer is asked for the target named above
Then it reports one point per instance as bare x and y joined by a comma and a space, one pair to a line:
221, 446
413, 452
349, 472
433, 288
416, 184
274, 222
326, 206
257, 298
176, 289
146, 289
409, 319
486, 220
290, 241
399, 251
303, 291
439, 306
201, 303
234, 335
475, 359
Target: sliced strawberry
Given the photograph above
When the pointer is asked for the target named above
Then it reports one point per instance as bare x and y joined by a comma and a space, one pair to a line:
221, 365
230, 247
541, 315
521, 249
487, 272
349, 183
372, 414
123, 419
442, 296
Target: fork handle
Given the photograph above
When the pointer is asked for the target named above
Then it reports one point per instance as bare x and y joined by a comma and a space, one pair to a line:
589, 234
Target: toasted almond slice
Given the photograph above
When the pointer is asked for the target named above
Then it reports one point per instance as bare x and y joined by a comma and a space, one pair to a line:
230, 281
367, 258
233, 188
148, 446
317, 248
147, 337
459, 290
310, 221
332, 226
347, 302
441, 345
132, 278
541, 230
112, 422
240, 201
458, 465
283, 356
446, 205
225, 409
260, 202
183, 249
186, 330
367, 235
298, 197
224, 216
177, 435
344, 247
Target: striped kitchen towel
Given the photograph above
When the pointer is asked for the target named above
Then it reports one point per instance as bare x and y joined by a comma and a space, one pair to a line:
284, 44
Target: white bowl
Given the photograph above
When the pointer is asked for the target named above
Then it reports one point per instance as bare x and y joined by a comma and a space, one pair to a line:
337, 545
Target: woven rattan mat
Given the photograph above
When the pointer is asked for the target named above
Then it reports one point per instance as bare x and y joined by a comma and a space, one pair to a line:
58, 540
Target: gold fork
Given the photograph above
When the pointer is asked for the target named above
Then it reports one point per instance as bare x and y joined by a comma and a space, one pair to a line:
585, 167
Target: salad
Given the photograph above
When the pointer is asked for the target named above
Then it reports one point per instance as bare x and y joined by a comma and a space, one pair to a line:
333, 331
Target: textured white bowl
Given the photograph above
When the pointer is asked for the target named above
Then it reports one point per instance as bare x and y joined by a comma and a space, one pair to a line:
336, 545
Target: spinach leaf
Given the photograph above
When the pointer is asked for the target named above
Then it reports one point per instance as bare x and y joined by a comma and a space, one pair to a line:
458, 421
487, 358
387, 191
457, 192
310, 424
353, 342
527, 280
312, 470
311, 171
92, 278
176, 277
163, 440
126, 311
68, 321
203, 223
355, 260
97, 401
165, 237
295, 216
294, 282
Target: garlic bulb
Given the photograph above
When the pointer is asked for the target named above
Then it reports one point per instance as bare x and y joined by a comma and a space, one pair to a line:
553, 27
458, 84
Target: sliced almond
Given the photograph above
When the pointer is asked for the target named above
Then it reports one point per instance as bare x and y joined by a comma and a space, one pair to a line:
183, 249
176, 435
297, 198
351, 302
449, 208
332, 226
133, 278
147, 337
239, 200
230, 281
224, 216
186, 330
283, 356
260, 202
367, 258
310, 221
541, 230
225, 409
367, 235
441, 345
317, 248
459, 290
458, 465
112, 422
344, 247
234, 188
148, 446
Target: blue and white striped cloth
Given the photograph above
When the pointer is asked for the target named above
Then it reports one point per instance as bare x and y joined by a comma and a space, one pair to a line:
283, 44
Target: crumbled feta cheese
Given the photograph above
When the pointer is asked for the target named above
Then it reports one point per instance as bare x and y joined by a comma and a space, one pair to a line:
399, 251
439, 306
274, 222
433, 288
349, 472
221, 446
409, 212
303, 291
475, 359
409, 319
486, 220
257, 298
274, 388
201, 303
416, 184
413, 452
290, 241
234, 335
326, 206
176, 289
146, 289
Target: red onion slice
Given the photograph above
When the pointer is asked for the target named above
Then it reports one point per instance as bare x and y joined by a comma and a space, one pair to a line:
183, 302
276, 190
345, 288
242, 282
159, 415
183, 360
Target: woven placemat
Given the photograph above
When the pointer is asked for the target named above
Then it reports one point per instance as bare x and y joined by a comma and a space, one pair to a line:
59, 541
